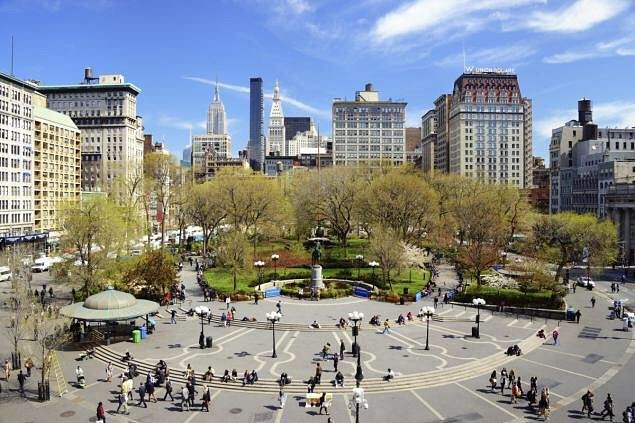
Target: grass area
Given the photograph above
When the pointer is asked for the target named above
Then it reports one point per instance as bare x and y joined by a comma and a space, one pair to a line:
221, 279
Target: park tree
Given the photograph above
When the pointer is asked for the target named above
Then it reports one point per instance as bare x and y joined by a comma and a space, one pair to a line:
93, 230
402, 201
205, 207
20, 305
127, 193
152, 275
482, 229
161, 180
232, 252
562, 237
52, 332
330, 195
514, 210
387, 246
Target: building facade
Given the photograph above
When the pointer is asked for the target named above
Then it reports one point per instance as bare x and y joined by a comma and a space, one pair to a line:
57, 169
488, 135
276, 145
105, 111
221, 145
256, 144
428, 140
620, 206
295, 124
368, 131
413, 146
16, 158
442, 106
539, 192
216, 118
309, 139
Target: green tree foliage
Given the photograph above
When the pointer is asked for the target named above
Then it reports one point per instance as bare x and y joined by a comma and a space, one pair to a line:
387, 246
206, 208
232, 253
152, 275
561, 238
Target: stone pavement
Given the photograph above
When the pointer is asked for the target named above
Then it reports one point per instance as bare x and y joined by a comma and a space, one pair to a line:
447, 383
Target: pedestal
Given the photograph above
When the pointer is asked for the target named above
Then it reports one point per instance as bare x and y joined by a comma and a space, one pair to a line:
316, 277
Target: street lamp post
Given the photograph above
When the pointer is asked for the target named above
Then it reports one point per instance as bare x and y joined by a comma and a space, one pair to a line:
273, 317
356, 317
428, 312
202, 312
259, 265
359, 259
358, 400
373, 265
274, 259
478, 302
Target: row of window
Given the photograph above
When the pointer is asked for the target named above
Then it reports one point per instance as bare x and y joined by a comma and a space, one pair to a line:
6, 218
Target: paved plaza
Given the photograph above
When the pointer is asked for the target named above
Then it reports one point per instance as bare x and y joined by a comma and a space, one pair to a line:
448, 382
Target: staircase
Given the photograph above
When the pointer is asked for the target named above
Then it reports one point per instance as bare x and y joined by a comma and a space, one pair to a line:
62, 386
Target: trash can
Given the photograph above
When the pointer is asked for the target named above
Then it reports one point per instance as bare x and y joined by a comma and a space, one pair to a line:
208, 342
144, 332
570, 314
474, 332
402, 300
136, 336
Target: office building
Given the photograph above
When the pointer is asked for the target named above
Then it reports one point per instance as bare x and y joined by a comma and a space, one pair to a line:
442, 106
413, 146
216, 118
276, 140
16, 159
539, 192
303, 141
186, 160
56, 165
104, 108
428, 140
488, 135
295, 124
620, 207
368, 131
585, 160
256, 144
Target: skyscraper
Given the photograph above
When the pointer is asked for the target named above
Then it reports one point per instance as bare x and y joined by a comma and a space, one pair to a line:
216, 118
256, 143
490, 128
276, 140
295, 124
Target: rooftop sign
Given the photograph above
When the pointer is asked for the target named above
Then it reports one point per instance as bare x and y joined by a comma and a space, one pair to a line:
499, 70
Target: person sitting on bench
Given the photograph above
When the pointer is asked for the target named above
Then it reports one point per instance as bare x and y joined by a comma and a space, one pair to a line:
389, 376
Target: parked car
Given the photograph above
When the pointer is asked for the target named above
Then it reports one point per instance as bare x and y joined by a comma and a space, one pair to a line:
5, 274
586, 282
42, 265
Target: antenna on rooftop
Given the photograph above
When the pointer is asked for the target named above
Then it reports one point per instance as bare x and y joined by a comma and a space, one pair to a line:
12, 55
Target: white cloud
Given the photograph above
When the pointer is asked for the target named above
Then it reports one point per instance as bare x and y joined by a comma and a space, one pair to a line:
174, 122
621, 47
245, 90
297, 6
495, 56
435, 16
576, 17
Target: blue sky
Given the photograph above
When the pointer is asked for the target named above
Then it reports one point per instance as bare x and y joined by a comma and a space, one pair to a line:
321, 49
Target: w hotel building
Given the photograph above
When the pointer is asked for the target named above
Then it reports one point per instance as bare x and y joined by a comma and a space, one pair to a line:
368, 131
490, 128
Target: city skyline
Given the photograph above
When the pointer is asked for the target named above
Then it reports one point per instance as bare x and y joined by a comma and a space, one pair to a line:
414, 51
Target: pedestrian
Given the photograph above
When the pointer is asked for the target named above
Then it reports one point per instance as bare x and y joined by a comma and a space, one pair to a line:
21, 380
336, 359
173, 318
515, 394
168, 389
592, 302
206, 399
256, 298
101, 414
185, 393
73, 295
323, 403
386, 326
436, 302
28, 365
608, 408
7, 370
617, 288
142, 396
123, 402
578, 314
51, 292
503, 381
109, 372
587, 403
150, 390
282, 398
555, 334
318, 373
227, 301
191, 393
279, 306
342, 349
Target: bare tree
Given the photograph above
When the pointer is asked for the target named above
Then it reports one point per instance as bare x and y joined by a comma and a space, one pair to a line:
52, 330
19, 307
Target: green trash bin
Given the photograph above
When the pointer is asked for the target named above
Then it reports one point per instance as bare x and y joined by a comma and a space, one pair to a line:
136, 336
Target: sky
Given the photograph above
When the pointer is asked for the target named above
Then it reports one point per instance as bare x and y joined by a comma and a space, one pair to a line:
561, 50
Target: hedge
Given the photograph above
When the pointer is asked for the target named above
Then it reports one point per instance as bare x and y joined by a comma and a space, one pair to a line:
511, 297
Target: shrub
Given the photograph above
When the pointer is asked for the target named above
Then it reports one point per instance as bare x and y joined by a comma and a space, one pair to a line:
512, 297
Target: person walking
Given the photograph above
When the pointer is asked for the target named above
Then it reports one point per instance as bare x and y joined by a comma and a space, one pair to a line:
109, 372
7, 370
168, 389
282, 398
592, 302
323, 404
386, 327
578, 314
173, 318
279, 306
101, 414
587, 403
142, 396
123, 402
185, 393
336, 359
28, 365
228, 300
515, 393
608, 408
206, 399
318, 374
342, 349
555, 335
503, 381
21, 380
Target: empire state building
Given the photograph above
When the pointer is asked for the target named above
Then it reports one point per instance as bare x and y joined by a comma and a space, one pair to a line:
216, 116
